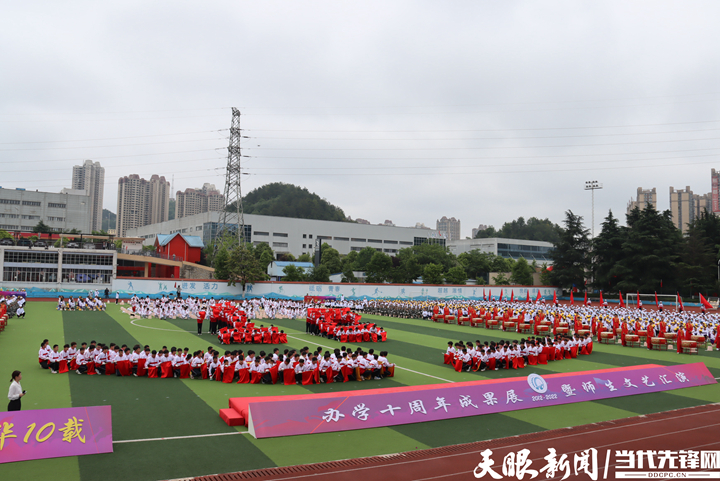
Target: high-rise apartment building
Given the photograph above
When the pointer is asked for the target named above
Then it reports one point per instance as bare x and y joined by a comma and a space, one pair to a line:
682, 206
197, 201
701, 203
645, 197
451, 227
90, 177
141, 202
715, 193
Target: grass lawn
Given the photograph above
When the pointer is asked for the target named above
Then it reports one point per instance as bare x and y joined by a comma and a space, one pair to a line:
161, 408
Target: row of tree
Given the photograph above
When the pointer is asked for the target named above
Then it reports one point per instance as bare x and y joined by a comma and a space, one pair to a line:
434, 263
648, 254
534, 229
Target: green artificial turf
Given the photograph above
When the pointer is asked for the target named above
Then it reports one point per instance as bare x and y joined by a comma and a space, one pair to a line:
144, 408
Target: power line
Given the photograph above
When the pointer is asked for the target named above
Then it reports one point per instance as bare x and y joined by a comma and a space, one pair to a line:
112, 138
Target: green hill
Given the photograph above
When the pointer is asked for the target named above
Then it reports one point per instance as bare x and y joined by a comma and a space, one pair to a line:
287, 200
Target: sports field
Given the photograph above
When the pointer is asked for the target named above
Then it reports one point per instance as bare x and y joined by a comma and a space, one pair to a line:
187, 410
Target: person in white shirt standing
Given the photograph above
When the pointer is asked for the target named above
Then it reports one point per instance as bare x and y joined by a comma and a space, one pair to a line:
16, 392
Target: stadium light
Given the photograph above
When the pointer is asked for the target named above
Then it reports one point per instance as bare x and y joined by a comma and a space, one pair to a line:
593, 185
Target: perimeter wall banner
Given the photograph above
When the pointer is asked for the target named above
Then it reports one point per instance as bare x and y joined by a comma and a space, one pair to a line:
54, 433
354, 410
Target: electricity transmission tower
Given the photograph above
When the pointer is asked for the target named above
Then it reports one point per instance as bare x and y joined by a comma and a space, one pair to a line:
232, 221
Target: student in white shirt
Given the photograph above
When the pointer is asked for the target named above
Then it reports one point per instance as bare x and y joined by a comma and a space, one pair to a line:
15, 392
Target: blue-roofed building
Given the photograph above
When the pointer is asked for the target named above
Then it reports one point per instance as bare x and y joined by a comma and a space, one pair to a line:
275, 268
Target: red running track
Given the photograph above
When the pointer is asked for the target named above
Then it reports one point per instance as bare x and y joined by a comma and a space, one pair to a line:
696, 428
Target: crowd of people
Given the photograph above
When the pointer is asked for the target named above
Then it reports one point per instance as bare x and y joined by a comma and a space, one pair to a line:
13, 305
293, 367
482, 356
342, 324
593, 316
88, 303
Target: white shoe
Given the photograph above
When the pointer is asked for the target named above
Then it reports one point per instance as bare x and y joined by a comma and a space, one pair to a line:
378, 378
54, 372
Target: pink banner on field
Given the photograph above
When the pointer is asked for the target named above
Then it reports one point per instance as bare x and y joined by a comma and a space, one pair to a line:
348, 411
54, 433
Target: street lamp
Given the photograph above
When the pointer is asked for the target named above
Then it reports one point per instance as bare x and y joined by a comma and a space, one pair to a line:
593, 185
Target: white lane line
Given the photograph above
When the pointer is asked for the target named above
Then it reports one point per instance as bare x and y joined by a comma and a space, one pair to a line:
398, 367
157, 328
179, 437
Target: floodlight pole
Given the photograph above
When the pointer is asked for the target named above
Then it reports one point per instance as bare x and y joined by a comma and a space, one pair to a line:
593, 185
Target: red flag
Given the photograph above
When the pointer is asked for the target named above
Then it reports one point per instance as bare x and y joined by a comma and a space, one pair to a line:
512, 295
549, 269
555, 297
484, 296
528, 296
572, 299
639, 302
538, 297
500, 298
585, 301
656, 301
680, 302
622, 304
705, 303
601, 299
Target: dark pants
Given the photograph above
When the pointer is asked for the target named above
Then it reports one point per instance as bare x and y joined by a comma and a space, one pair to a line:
44, 364
266, 378
82, 369
197, 373
100, 369
55, 366
14, 405
213, 327
199, 327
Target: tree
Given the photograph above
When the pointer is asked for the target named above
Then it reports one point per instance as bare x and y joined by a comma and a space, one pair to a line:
294, 273
319, 274
222, 265
264, 254
304, 258
522, 273
407, 269
348, 267
364, 257
533, 229
379, 268
331, 259
456, 275
607, 253
244, 266
545, 275
501, 280
571, 254
650, 252
5, 234
287, 200
42, 228
433, 274
433, 254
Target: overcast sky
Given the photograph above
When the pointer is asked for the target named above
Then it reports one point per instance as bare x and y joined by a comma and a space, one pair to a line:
480, 110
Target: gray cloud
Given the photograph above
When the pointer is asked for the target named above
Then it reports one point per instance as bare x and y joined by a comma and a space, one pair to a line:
485, 111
